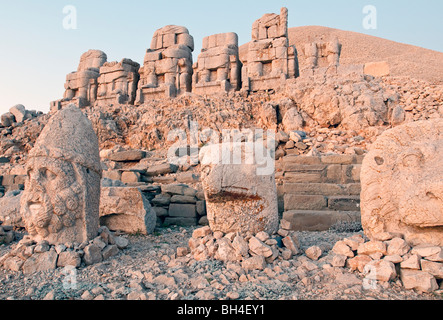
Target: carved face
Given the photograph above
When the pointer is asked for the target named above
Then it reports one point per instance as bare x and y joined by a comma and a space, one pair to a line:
402, 184
421, 182
52, 197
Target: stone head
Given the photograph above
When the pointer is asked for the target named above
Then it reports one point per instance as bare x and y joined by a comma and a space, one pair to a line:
402, 183
62, 190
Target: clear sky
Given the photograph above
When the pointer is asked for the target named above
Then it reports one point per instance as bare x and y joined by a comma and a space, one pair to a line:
36, 51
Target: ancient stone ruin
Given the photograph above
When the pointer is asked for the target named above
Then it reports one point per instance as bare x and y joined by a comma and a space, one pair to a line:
402, 184
167, 69
81, 86
218, 68
60, 203
118, 82
323, 54
270, 59
343, 198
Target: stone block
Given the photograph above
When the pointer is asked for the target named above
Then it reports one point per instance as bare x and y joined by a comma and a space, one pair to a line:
126, 209
338, 159
180, 221
130, 177
182, 210
344, 203
305, 220
127, 156
326, 189
239, 197
300, 177
161, 169
38, 262
377, 69
305, 202
306, 160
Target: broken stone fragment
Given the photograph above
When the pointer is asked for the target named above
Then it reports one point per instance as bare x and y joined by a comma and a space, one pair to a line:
313, 253
380, 270
126, 209
259, 248
45, 261
341, 248
418, 280
254, 263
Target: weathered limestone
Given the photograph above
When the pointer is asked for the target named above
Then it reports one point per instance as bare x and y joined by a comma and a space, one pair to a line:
377, 69
402, 189
118, 82
10, 209
270, 59
218, 68
81, 86
320, 54
126, 209
167, 69
62, 191
238, 197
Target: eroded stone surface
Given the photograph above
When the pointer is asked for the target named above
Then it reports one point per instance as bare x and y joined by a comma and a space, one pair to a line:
402, 189
61, 199
126, 209
238, 197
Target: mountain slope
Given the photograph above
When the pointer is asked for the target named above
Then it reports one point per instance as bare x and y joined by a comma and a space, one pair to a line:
357, 48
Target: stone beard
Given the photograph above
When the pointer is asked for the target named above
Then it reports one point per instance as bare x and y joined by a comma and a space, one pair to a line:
53, 201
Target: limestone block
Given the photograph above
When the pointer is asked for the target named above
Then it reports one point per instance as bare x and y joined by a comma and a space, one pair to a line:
177, 52
186, 40
377, 69
402, 184
126, 209
7, 119
166, 66
182, 210
19, 112
152, 56
39, 262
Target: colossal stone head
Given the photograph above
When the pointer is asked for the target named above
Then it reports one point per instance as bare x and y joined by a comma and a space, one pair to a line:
402, 184
62, 192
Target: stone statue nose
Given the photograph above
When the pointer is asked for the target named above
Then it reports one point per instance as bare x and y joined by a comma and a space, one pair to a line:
35, 181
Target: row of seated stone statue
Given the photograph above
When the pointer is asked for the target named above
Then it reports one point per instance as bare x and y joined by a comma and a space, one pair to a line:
168, 69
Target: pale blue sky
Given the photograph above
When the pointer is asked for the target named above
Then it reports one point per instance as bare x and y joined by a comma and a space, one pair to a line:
36, 52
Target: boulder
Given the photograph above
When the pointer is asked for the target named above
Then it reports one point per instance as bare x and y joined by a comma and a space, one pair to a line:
19, 112
45, 261
418, 280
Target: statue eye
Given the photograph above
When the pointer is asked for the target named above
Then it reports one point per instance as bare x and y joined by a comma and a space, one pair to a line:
47, 174
379, 160
50, 175
412, 159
